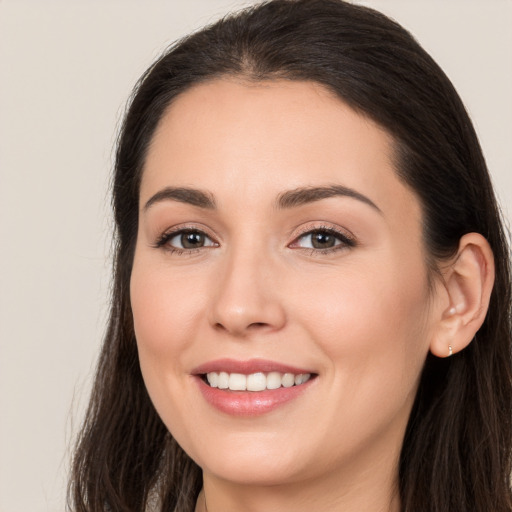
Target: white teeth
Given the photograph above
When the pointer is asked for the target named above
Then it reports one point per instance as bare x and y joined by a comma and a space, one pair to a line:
213, 379
302, 378
223, 382
255, 381
237, 382
288, 380
273, 380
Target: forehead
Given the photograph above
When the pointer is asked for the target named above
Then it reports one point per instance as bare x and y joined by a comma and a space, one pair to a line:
247, 140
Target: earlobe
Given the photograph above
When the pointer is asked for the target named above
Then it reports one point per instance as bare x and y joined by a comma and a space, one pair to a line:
468, 283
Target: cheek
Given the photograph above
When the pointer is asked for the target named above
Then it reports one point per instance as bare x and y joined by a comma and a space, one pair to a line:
372, 330
367, 300
165, 315
373, 327
165, 310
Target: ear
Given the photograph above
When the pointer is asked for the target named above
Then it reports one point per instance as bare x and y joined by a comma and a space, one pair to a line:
467, 284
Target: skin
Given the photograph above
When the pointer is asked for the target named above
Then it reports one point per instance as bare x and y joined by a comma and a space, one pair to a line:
361, 317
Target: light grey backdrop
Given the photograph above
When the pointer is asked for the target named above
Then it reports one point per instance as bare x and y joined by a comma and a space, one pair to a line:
66, 69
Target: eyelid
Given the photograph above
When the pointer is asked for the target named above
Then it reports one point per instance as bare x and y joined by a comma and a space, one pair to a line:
346, 237
173, 231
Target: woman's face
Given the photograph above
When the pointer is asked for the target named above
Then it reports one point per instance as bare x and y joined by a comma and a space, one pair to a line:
275, 238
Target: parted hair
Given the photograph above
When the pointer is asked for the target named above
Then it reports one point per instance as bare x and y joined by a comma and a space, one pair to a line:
456, 454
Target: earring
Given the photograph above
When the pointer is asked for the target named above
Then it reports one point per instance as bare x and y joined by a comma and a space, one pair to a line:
450, 351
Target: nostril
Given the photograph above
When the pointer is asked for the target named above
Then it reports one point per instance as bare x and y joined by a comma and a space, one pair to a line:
257, 324
254, 326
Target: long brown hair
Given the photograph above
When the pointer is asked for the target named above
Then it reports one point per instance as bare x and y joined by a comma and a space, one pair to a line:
456, 454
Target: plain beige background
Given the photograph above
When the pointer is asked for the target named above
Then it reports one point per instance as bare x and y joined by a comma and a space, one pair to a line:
66, 69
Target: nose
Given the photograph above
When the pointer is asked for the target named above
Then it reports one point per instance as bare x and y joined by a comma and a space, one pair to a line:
246, 298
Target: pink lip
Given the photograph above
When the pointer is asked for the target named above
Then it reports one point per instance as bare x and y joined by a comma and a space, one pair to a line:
248, 403
247, 367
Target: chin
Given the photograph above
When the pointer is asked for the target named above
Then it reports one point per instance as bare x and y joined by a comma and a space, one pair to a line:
255, 465
251, 473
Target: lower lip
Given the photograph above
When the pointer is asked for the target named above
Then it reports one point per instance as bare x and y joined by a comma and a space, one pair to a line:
250, 403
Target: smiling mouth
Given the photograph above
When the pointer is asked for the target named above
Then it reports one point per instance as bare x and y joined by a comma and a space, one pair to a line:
259, 381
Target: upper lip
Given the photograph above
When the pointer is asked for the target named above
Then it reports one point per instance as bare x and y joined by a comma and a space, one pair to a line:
247, 367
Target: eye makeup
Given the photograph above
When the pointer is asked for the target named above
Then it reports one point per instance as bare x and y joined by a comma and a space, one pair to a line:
317, 240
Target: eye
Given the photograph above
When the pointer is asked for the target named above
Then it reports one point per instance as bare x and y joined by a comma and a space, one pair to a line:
185, 240
318, 240
323, 239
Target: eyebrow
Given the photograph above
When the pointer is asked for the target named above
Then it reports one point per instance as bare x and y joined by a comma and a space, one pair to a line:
289, 199
306, 195
187, 195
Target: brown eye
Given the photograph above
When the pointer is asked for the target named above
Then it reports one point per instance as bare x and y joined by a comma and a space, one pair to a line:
186, 240
322, 240
192, 240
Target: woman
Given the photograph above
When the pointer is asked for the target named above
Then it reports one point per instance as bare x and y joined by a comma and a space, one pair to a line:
311, 304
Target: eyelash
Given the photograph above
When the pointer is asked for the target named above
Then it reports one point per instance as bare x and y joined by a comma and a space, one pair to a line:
163, 241
345, 240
